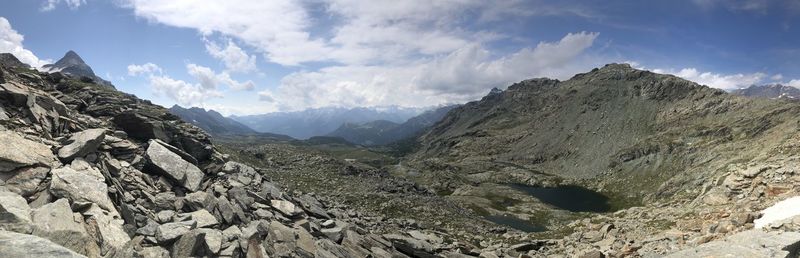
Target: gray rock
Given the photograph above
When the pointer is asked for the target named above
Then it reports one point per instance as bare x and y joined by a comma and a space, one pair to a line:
80, 187
20, 152
25, 181
14, 212
286, 208
22, 245
165, 216
170, 231
107, 227
56, 222
280, 240
196, 201
195, 243
168, 163
410, 246
334, 234
213, 240
750, 243
203, 218
313, 207
82, 143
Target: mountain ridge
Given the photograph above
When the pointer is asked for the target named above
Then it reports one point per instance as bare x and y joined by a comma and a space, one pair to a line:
73, 65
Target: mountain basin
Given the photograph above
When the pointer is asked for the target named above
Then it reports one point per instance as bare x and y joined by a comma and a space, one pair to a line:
568, 197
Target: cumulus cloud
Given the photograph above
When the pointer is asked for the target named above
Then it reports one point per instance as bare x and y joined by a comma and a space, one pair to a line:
794, 83
369, 53
716, 80
11, 42
186, 94
234, 57
209, 79
50, 5
148, 68
462, 75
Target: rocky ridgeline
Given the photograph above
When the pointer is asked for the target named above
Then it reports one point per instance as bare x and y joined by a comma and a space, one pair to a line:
89, 171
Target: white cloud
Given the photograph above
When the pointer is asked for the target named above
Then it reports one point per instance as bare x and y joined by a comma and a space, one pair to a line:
11, 42
186, 94
234, 58
209, 79
463, 75
50, 5
278, 28
148, 68
794, 83
715, 80
777, 77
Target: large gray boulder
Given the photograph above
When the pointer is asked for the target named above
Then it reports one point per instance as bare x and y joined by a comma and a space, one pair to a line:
82, 143
168, 163
107, 228
25, 181
80, 187
20, 152
750, 243
22, 245
14, 212
56, 222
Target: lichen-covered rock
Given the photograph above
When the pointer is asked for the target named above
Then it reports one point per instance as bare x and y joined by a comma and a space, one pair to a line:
56, 222
80, 187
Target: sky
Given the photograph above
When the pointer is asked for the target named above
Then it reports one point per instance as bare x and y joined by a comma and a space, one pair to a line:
251, 57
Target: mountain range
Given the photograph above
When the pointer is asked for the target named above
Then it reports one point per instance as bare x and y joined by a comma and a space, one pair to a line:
321, 121
210, 121
382, 132
770, 91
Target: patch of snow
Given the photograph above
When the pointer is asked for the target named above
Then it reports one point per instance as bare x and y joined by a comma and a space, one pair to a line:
782, 210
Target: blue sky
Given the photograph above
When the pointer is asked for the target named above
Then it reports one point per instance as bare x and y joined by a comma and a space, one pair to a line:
248, 57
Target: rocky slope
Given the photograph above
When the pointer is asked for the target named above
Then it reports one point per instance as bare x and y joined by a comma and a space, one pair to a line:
382, 132
771, 91
697, 163
210, 121
73, 65
90, 171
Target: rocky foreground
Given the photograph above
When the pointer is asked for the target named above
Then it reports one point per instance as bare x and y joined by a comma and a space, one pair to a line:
89, 171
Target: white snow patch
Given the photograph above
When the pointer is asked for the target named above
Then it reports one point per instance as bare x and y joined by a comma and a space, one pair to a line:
782, 210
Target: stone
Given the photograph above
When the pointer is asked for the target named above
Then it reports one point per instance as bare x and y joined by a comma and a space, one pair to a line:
14, 212
164, 201
313, 206
328, 224
593, 254
195, 243
286, 208
213, 240
80, 187
750, 243
231, 233
166, 162
25, 181
140, 127
280, 241
239, 195
165, 216
56, 222
171, 231
82, 143
410, 246
20, 152
204, 218
22, 245
197, 200
107, 227
269, 190
225, 211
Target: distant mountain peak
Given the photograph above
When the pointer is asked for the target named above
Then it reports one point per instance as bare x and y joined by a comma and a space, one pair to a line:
72, 64
9, 60
771, 91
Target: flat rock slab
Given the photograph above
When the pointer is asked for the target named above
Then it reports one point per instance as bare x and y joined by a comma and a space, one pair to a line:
20, 152
80, 187
82, 143
751, 243
22, 245
174, 166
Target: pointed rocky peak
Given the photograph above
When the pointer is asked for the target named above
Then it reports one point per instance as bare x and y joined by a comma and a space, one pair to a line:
495, 91
73, 65
70, 58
